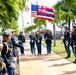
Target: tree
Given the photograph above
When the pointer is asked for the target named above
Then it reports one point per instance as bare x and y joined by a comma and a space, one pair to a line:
38, 24
9, 12
67, 8
30, 28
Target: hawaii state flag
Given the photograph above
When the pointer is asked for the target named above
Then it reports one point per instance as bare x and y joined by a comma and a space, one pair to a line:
42, 12
34, 9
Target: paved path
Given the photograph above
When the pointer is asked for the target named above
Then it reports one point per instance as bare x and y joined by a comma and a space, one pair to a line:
51, 64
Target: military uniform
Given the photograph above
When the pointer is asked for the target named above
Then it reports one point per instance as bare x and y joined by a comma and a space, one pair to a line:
66, 42
7, 55
74, 42
71, 41
14, 44
48, 40
32, 43
3, 69
38, 43
21, 39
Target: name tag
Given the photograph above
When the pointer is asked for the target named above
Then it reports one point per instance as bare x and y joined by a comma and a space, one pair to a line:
38, 41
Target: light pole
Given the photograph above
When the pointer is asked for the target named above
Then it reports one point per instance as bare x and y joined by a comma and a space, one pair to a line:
22, 22
22, 18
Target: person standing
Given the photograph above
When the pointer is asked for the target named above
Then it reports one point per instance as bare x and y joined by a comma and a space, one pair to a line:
21, 39
38, 43
66, 41
48, 40
3, 69
7, 53
14, 43
32, 43
73, 37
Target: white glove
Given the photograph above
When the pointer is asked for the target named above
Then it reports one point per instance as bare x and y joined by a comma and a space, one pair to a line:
13, 65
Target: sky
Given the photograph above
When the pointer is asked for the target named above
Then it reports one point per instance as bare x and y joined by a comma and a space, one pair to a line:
27, 15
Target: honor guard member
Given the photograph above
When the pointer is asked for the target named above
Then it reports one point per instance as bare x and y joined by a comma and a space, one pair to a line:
66, 41
48, 40
38, 42
7, 53
3, 70
14, 43
74, 41
32, 42
21, 39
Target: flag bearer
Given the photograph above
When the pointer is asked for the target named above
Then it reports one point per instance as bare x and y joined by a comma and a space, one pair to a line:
38, 42
32, 43
48, 40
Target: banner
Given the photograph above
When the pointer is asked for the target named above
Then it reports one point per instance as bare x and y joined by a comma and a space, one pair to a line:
42, 12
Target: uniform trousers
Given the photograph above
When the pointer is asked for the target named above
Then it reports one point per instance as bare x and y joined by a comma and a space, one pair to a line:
32, 45
67, 48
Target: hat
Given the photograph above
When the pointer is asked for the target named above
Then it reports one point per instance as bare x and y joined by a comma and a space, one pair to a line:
6, 33
66, 27
21, 31
11, 30
74, 26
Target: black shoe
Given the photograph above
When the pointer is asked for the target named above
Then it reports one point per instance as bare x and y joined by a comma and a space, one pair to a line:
47, 52
39, 54
67, 57
74, 61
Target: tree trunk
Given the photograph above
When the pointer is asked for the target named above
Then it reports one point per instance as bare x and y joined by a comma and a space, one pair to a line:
69, 23
54, 30
61, 31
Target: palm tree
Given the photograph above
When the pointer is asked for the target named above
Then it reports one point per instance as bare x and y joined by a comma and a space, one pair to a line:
67, 7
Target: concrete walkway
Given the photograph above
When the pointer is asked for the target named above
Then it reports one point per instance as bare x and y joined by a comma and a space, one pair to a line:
51, 64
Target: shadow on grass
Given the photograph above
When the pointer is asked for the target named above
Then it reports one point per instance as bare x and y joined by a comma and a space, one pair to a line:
58, 52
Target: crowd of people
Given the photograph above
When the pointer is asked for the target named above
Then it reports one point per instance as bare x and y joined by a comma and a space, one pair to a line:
70, 40
8, 47
8, 51
36, 40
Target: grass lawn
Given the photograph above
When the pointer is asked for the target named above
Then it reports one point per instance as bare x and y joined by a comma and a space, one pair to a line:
59, 49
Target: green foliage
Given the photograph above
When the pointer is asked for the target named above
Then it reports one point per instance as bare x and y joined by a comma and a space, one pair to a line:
30, 28
65, 9
9, 12
38, 25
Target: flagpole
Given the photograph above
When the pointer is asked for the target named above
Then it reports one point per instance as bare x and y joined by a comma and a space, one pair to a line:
31, 14
37, 12
22, 22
